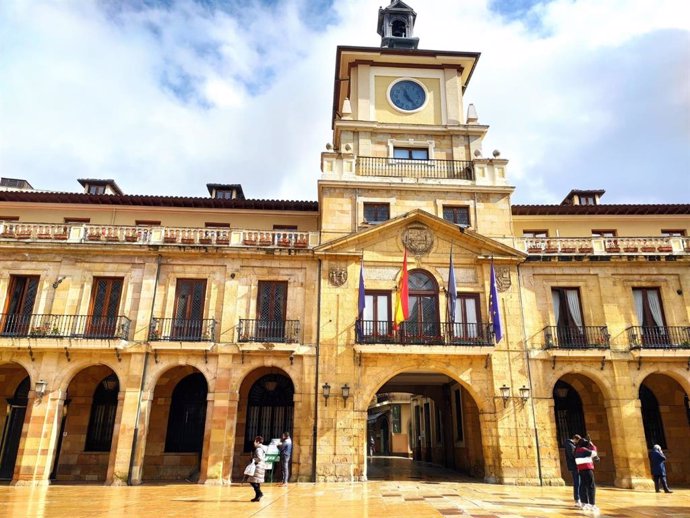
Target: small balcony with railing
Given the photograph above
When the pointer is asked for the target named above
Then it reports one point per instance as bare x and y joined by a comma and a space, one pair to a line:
113, 235
54, 328
568, 338
571, 248
269, 331
658, 338
182, 330
408, 168
372, 333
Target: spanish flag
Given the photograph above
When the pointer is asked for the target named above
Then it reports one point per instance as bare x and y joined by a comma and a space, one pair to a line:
401, 309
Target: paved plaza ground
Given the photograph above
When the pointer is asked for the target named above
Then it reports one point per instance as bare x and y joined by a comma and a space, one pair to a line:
421, 492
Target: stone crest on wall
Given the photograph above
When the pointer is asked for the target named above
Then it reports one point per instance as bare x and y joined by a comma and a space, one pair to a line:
502, 278
418, 239
337, 275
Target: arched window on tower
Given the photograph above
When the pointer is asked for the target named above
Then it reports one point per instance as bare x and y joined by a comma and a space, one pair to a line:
99, 434
570, 419
651, 418
270, 408
187, 415
399, 29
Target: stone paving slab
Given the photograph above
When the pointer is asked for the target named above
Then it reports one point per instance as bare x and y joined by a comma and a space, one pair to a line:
337, 500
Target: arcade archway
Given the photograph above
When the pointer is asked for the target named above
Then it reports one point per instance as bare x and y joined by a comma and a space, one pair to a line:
15, 384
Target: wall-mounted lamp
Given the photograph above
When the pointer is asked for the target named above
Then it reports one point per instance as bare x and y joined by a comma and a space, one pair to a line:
346, 393
562, 392
524, 393
326, 392
548, 338
505, 393
40, 389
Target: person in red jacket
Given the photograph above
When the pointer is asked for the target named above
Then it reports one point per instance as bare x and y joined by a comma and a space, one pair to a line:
585, 453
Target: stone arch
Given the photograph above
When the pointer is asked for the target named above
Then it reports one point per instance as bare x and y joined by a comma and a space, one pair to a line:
604, 384
670, 427
678, 374
66, 375
164, 365
160, 462
87, 431
16, 383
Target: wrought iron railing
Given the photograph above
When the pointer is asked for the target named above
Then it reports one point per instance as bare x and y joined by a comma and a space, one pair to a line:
397, 167
64, 326
183, 329
659, 337
426, 333
577, 337
258, 330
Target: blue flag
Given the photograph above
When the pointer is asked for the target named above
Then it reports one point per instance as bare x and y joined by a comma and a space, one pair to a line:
452, 292
361, 302
493, 307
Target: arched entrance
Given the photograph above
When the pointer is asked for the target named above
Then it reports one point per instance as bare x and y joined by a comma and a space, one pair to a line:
266, 408
666, 420
423, 324
580, 409
431, 426
14, 390
175, 437
86, 429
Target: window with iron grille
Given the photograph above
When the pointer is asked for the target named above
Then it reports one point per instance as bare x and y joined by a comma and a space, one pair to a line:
651, 418
187, 417
270, 407
105, 306
271, 310
570, 418
21, 296
188, 314
376, 212
458, 215
99, 434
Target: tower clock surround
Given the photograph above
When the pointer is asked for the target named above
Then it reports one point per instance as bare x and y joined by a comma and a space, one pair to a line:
407, 95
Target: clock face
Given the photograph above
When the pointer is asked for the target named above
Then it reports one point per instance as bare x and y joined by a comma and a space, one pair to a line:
407, 95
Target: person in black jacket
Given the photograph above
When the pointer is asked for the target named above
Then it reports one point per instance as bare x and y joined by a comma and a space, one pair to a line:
570, 445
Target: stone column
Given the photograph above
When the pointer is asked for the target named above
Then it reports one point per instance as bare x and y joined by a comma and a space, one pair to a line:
39, 439
549, 454
628, 443
228, 452
140, 449
123, 434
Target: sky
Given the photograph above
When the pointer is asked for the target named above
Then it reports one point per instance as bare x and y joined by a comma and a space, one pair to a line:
165, 96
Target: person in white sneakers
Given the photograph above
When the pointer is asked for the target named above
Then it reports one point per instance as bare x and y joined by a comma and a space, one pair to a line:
585, 453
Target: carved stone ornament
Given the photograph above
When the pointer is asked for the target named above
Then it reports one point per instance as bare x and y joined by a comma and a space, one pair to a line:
418, 239
502, 278
337, 275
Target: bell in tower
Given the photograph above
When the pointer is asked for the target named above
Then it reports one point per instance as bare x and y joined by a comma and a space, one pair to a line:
396, 25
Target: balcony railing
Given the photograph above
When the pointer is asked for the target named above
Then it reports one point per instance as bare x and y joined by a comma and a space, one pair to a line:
577, 337
64, 326
427, 333
139, 235
397, 167
664, 337
183, 329
574, 246
279, 331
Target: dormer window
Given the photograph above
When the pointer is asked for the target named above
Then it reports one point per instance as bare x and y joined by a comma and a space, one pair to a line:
225, 191
98, 186
224, 195
587, 200
96, 189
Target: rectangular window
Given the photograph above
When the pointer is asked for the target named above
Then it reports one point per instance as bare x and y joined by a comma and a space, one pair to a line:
376, 212
376, 325
211, 224
271, 310
535, 233
96, 189
459, 435
224, 195
9, 218
284, 227
395, 415
21, 296
75, 221
187, 322
411, 153
467, 324
147, 223
665, 233
104, 308
603, 233
458, 215
650, 316
587, 200
568, 317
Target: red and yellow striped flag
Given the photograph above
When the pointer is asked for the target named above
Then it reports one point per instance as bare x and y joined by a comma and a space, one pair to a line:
401, 309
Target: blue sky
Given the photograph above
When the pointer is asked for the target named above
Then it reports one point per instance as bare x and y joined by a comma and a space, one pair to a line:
165, 96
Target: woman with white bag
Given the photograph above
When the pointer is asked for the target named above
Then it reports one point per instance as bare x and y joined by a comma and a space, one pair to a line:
255, 473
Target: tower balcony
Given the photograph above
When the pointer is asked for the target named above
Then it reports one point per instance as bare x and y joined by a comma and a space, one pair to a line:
403, 168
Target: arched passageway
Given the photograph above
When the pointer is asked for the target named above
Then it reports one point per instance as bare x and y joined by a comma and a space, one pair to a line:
266, 408
666, 420
175, 436
87, 424
429, 419
14, 391
580, 409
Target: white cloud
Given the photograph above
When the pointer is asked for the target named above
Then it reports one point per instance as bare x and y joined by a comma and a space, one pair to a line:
166, 99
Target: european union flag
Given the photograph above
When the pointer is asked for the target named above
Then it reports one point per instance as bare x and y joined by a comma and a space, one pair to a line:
493, 307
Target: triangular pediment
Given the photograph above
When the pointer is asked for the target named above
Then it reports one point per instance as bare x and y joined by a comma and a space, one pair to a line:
422, 234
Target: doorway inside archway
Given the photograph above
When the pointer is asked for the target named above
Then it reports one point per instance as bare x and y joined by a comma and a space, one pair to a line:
423, 425
14, 390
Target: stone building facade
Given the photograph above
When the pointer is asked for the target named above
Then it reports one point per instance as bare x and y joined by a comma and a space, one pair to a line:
148, 338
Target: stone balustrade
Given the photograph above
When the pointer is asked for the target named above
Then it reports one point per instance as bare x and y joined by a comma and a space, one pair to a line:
601, 245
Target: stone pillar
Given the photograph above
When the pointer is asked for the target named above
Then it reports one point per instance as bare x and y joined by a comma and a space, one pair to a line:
549, 454
39, 439
227, 453
140, 448
628, 443
123, 434
490, 447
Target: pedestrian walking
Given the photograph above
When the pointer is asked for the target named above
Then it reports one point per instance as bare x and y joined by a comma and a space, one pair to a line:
258, 457
585, 453
285, 449
570, 446
372, 446
658, 462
